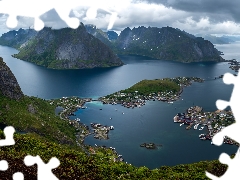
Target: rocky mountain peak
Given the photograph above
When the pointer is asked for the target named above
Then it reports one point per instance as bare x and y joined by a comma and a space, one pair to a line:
9, 86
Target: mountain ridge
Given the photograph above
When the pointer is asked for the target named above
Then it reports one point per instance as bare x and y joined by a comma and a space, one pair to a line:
64, 49
164, 43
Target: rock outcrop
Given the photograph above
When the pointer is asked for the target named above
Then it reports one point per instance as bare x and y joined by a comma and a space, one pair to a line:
9, 86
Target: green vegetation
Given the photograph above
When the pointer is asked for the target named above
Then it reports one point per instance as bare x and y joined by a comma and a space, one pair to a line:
99, 164
146, 87
167, 89
31, 114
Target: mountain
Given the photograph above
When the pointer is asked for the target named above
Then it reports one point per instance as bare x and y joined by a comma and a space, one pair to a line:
17, 38
89, 47
232, 38
105, 37
30, 114
63, 49
166, 44
98, 33
112, 35
216, 40
9, 86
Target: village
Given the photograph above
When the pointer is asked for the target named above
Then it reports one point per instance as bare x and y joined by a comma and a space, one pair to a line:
136, 98
213, 121
70, 105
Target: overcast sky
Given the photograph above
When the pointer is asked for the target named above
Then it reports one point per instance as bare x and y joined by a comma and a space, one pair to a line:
194, 16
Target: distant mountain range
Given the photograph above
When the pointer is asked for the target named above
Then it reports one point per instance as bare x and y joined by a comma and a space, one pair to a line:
216, 39
89, 47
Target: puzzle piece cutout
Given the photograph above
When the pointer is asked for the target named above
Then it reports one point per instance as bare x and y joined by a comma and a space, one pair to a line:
35, 9
233, 167
8, 141
8, 132
44, 170
232, 131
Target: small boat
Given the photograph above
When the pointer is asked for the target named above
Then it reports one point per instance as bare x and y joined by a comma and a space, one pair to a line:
181, 124
111, 128
84, 107
201, 128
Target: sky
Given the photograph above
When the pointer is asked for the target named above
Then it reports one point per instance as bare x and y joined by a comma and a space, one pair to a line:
215, 17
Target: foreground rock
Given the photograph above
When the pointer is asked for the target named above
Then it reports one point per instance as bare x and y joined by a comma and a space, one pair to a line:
9, 86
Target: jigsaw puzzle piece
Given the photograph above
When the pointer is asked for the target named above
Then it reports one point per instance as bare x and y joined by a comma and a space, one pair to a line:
18, 176
44, 170
112, 20
8, 141
3, 165
221, 104
229, 78
12, 21
224, 159
38, 24
91, 13
63, 13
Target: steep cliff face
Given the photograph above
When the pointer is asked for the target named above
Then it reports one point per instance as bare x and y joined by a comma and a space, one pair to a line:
67, 49
165, 43
9, 86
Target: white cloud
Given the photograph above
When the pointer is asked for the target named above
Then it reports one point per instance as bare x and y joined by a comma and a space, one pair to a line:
134, 13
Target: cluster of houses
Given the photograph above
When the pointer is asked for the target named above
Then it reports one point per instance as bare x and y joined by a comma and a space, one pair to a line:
136, 99
100, 131
214, 121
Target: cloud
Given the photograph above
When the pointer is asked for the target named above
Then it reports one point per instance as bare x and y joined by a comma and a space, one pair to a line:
201, 16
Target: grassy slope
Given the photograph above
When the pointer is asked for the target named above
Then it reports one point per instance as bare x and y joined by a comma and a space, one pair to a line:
75, 164
145, 87
42, 120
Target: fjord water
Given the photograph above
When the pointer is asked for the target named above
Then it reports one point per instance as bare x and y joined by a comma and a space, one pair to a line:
150, 123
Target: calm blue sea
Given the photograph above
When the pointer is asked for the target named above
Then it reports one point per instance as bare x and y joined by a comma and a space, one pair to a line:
150, 123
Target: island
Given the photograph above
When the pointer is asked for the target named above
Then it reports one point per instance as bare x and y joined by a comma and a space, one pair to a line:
166, 90
150, 145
